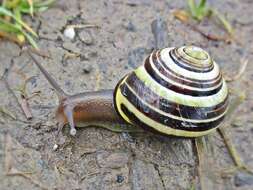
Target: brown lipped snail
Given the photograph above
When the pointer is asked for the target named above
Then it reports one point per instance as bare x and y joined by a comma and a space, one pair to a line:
176, 91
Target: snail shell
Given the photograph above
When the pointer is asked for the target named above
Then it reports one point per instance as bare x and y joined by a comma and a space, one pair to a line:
177, 91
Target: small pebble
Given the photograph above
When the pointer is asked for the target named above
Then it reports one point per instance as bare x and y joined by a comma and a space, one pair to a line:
70, 33
120, 178
87, 69
73, 132
86, 37
55, 147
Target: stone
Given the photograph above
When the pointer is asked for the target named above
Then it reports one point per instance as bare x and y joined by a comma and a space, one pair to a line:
86, 37
70, 33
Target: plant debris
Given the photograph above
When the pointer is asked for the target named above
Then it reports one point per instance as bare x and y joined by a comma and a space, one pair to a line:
7, 112
199, 12
240, 72
12, 26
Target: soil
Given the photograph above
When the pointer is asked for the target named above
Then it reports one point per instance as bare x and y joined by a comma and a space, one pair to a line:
127, 31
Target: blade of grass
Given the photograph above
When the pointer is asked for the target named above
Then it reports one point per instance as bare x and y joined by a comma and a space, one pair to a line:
6, 12
31, 40
193, 8
18, 31
17, 14
202, 4
201, 10
30, 2
44, 3
37, 6
223, 21
11, 19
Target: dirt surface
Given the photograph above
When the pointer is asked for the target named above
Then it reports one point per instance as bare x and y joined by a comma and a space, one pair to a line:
98, 158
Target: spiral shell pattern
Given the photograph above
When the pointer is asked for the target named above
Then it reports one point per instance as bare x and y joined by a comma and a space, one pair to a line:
177, 91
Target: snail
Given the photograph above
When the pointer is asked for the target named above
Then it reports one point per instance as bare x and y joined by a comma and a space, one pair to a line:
176, 91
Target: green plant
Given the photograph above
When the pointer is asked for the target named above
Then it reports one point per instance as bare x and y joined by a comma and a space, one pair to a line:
198, 11
12, 25
201, 10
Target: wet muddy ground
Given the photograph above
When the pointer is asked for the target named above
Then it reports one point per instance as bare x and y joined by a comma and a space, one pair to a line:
96, 59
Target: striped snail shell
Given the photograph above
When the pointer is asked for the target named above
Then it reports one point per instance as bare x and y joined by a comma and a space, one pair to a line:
177, 91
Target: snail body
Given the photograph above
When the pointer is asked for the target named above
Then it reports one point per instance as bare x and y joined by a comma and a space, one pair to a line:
176, 91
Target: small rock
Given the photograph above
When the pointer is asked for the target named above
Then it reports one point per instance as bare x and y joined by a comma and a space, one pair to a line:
243, 178
136, 57
55, 147
87, 69
160, 31
70, 33
86, 37
120, 178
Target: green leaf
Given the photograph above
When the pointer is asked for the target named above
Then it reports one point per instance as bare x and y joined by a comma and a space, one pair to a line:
193, 7
199, 11
31, 40
202, 4
18, 16
31, 9
44, 3
8, 28
37, 6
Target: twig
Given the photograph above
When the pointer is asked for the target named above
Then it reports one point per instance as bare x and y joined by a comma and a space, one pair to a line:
38, 52
183, 16
241, 71
25, 107
69, 55
234, 154
20, 102
36, 93
10, 171
35, 182
222, 131
209, 36
7, 112
83, 26
205, 173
